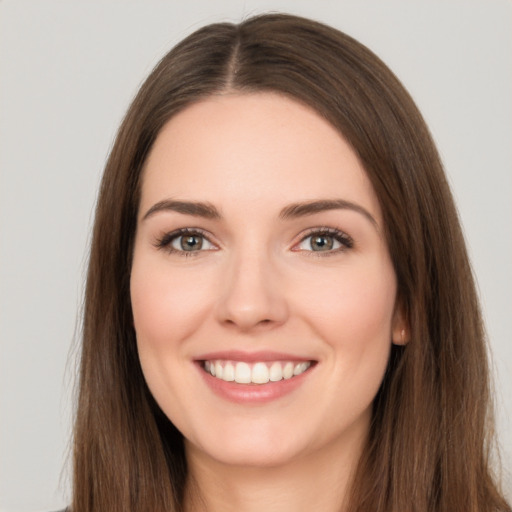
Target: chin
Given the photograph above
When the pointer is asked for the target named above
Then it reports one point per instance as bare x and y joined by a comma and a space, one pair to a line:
253, 456
256, 447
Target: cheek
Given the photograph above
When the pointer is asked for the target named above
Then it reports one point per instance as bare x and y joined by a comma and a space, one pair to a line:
166, 305
356, 303
167, 309
353, 314
367, 311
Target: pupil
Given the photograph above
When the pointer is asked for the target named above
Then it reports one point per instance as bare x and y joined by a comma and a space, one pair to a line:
191, 243
322, 243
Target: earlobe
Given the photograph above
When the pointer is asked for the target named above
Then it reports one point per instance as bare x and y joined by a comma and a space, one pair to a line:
401, 332
403, 338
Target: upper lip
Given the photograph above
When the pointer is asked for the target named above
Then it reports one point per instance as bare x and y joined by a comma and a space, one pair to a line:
251, 357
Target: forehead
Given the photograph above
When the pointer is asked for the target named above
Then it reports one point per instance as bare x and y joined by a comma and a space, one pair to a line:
250, 149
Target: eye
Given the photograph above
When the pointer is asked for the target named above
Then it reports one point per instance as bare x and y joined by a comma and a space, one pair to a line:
190, 242
325, 240
185, 241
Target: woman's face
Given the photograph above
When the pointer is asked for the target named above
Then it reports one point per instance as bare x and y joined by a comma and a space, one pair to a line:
260, 258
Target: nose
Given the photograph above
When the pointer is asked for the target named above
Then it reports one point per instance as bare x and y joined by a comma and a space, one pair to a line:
252, 296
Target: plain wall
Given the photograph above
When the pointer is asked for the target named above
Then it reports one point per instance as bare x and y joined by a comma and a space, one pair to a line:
67, 73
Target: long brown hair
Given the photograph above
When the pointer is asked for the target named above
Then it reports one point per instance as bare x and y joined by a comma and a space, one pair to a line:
428, 448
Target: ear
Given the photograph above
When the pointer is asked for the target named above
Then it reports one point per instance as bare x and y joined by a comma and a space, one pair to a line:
400, 332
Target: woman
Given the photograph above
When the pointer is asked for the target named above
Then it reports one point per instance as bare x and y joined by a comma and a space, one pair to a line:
280, 312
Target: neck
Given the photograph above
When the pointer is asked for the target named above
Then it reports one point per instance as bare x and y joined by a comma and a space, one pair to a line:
317, 481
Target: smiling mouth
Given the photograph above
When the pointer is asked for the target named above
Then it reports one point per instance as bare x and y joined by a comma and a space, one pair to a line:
254, 373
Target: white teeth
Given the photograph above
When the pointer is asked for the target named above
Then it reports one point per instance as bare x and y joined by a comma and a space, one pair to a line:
218, 370
299, 368
288, 371
257, 373
229, 373
242, 373
276, 372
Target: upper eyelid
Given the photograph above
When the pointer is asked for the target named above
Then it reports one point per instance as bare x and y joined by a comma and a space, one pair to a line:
171, 235
324, 230
187, 230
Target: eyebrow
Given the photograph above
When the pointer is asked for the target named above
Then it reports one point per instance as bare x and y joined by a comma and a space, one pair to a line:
197, 209
311, 207
292, 211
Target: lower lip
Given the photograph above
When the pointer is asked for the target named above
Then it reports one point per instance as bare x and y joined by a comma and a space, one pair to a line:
253, 393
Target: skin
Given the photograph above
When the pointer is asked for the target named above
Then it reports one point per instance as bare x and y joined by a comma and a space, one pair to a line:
257, 284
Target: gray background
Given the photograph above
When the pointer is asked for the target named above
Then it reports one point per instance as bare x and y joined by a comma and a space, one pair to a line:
68, 71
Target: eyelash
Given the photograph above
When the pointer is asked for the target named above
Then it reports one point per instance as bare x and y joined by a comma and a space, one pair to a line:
167, 239
345, 240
